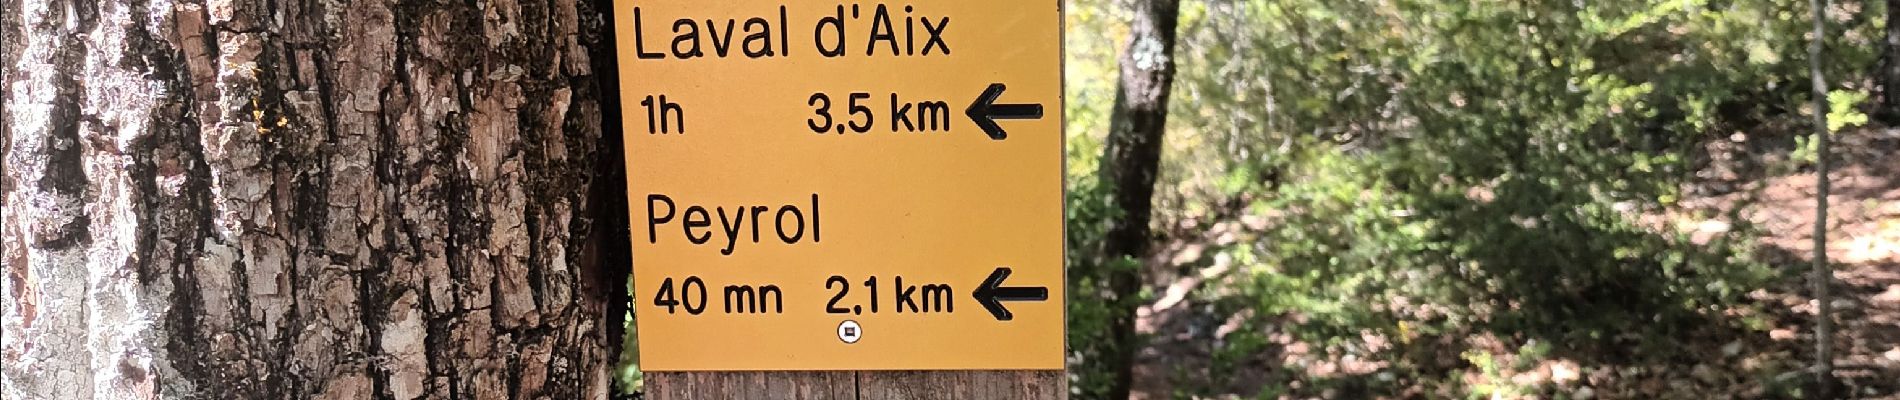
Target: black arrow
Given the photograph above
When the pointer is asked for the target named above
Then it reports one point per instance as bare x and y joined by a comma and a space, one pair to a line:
984, 111
992, 294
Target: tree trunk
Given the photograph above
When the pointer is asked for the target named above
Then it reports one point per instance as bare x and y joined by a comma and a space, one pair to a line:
1130, 160
351, 199
1889, 75
1823, 274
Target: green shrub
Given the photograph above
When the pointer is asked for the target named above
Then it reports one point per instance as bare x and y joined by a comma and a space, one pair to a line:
1439, 168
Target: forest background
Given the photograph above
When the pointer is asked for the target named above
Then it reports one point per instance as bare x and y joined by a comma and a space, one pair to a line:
1477, 199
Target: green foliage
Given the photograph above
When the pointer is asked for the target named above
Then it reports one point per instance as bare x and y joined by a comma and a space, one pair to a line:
1494, 379
1092, 307
1431, 168
627, 374
1843, 112
1090, 67
1844, 109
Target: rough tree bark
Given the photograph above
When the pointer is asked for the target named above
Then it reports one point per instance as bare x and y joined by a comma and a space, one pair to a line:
1130, 160
352, 199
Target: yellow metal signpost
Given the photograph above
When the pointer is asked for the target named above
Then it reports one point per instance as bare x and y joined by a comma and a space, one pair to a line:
844, 186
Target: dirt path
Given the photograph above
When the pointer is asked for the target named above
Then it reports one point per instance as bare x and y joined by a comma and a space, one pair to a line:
1864, 247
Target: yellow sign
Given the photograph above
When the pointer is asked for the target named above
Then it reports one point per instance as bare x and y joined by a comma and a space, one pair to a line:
846, 185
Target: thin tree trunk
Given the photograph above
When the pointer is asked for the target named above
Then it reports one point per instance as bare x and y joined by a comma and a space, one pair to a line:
1889, 75
351, 199
1130, 160
1823, 275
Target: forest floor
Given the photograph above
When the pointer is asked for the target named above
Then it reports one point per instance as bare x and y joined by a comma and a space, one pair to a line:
1764, 361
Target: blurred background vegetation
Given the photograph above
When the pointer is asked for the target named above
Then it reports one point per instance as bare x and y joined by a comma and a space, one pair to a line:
1480, 199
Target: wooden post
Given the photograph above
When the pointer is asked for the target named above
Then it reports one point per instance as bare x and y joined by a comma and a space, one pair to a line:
822, 385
